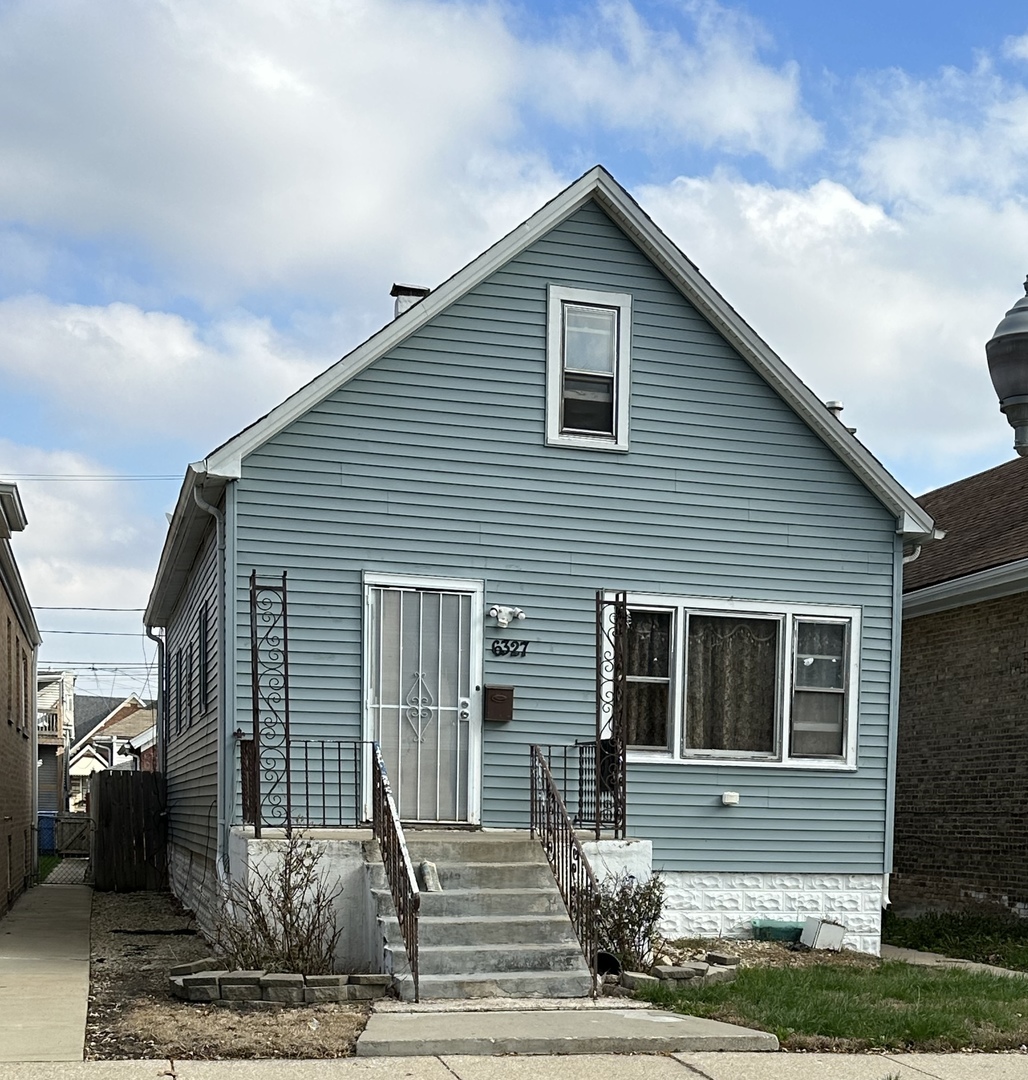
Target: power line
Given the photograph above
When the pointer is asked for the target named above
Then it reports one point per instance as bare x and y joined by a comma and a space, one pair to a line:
50, 607
103, 477
93, 633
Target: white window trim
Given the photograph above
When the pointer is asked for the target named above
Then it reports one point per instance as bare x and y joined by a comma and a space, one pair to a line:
787, 613
557, 296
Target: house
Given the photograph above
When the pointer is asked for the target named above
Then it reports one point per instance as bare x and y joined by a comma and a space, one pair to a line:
962, 764
55, 722
107, 745
575, 438
17, 708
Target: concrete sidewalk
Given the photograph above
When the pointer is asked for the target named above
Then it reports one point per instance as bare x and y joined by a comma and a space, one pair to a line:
44, 976
742, 1066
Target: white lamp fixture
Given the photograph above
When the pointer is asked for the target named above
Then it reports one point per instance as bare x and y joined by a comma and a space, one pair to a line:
504, 616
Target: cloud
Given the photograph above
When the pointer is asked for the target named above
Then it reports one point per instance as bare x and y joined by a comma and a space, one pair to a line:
232, 148
920, 140
612, 67
254, 144
1016, 48
875, 308
119, 373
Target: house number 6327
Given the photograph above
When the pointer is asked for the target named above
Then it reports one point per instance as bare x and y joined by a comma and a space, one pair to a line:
510, 648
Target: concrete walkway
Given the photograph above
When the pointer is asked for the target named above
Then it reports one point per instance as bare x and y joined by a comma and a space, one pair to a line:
585, 1067
931, 959
44, 976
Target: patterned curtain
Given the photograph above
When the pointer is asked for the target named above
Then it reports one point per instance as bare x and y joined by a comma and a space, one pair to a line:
732, 681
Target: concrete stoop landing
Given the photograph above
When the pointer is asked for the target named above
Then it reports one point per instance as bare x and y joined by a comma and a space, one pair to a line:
496, 927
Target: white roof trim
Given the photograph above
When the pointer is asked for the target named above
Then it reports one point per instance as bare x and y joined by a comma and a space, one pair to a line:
974, 588
912, 520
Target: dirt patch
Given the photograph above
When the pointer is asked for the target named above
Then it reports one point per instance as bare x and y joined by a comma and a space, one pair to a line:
764, 953
135, 939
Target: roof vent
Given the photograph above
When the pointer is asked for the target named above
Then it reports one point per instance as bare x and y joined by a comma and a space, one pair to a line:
407, 296
835, 408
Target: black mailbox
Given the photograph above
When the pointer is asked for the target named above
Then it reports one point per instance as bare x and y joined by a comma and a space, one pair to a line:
499, 703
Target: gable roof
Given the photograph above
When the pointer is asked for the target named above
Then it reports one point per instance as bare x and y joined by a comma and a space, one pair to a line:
129, 717
985, 552
189, 523
89, 710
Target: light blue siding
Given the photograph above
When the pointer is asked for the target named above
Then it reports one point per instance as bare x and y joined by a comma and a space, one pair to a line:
432, 461
192, 757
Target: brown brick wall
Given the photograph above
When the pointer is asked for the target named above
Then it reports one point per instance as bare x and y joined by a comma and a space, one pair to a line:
16, 765
962, 759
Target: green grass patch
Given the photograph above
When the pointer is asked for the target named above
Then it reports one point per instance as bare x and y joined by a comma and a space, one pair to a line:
47, 863
891, 1006
998, 939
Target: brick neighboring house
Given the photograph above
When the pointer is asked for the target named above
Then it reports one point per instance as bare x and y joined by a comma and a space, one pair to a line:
18, 652
961, 829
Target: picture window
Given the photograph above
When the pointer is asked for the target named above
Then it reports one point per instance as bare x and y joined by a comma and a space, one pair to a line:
734, 681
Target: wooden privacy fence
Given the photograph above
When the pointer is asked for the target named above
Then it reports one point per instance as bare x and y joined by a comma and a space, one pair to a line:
130, 831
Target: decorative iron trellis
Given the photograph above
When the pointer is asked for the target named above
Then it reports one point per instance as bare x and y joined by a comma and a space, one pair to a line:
571, 869
271, 790
608, 775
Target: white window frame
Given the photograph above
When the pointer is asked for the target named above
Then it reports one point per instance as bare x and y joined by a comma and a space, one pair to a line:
557, 297
787, 615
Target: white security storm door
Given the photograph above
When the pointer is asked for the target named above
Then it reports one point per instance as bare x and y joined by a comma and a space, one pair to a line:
422, 697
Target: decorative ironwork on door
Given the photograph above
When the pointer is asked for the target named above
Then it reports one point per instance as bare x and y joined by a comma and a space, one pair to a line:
420, 697
269, 795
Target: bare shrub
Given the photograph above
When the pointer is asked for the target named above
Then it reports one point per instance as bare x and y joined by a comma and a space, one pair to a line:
630, 911
282, 918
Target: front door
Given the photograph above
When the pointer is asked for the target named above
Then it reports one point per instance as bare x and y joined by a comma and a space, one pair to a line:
422, 702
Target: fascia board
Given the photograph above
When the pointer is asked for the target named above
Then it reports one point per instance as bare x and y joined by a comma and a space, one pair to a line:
974, 588
912, 519
15, 587
188, 526
12, 513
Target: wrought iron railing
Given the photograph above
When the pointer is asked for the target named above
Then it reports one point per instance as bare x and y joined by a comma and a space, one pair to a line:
325, 785
553, 826
609, 787
585, 788
399, 871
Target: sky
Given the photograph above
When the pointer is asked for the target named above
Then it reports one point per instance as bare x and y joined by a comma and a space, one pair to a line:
204, 204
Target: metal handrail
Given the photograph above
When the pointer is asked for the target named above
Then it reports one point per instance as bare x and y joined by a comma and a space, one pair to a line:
574, 876
399, 871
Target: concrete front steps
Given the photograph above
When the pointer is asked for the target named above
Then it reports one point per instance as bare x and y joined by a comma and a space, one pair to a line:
497, 927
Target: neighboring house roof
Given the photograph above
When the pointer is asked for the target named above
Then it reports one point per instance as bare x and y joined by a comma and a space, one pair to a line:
190, 523
129, 717
985, 551
12, 520
90, 710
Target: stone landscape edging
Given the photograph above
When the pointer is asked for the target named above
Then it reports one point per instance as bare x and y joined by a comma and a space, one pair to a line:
203, 982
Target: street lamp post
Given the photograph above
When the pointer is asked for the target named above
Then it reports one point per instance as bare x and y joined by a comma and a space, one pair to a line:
1007, 351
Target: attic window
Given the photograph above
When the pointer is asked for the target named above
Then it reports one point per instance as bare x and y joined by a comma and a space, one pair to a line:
587, 368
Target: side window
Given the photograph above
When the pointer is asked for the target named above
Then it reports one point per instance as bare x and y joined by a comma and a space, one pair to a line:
588, 368
178, 690
202, 672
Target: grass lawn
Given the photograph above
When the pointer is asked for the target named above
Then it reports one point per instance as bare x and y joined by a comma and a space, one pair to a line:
885, 1006
989, 939
46, 865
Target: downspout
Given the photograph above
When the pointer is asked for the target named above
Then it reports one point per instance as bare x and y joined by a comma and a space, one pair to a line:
162, 719
895, 657
225, 794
